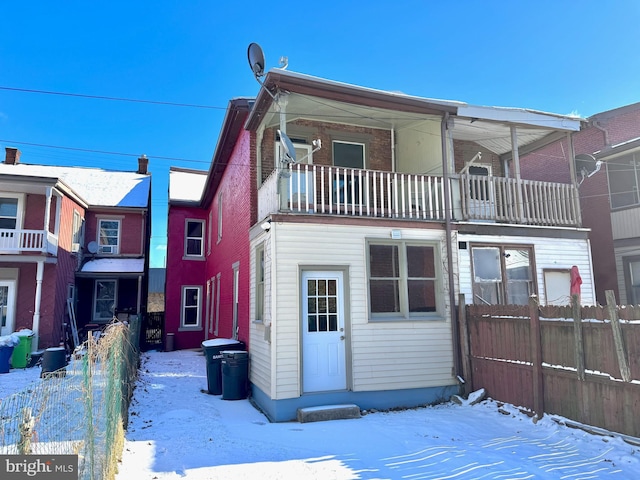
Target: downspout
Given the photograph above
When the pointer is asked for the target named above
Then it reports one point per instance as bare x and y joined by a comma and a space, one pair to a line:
605, 133
447, 222
139, 301
36, 308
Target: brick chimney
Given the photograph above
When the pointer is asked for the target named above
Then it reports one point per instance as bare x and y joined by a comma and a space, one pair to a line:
143, 163
13, 156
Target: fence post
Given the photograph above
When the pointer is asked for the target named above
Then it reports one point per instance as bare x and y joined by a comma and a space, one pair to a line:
464, 345
621, 351
536, 357
577, 335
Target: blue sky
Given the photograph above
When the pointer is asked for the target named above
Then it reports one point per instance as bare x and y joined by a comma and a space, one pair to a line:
559, 56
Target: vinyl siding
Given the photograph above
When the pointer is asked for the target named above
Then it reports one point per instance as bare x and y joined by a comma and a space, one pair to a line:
625, 223
550, 253
259, 343
381, 355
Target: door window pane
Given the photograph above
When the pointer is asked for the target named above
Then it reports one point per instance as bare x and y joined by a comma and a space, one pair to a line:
486, 264
105, 300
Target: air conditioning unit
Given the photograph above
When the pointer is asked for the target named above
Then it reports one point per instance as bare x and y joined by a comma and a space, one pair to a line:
75, 247
107, 248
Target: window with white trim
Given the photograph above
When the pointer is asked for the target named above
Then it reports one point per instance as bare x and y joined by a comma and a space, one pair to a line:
109, 236
220, 217
194, 238
259, 316
404, 281
77, 234
9, 211
236, 298
502, 275
105, 299
191, 307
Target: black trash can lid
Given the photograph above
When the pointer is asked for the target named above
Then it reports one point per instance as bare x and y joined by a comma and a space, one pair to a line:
234, 353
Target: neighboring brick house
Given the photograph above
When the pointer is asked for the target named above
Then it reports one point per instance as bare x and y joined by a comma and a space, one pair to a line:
72, 240
609, 195
210, 213
355, 251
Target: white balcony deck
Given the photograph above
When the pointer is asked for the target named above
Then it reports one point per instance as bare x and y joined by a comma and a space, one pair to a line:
302, 188
17, 241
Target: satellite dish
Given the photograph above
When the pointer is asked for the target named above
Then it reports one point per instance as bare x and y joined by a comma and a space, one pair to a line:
92, 247
256, 59
289, 150
587, 166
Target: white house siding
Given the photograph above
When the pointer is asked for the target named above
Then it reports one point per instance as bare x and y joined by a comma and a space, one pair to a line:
383, 355
550, 253
625, 223
620, 253
259, 343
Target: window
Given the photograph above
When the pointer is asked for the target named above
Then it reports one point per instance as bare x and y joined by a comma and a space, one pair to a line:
9, 213
209, 234
624, 175
104, 300
77, 238
403, 280
220, 217
632, 279
236, 298
502, 275
349, 155
217, 304
108, 236
191, 306
194, 238
259, 283
297, 184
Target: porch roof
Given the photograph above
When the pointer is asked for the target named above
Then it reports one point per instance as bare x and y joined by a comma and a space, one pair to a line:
113, 266
345, 103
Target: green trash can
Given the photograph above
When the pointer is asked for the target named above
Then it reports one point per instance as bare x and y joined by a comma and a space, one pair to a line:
22, 352
213, 351
235, 374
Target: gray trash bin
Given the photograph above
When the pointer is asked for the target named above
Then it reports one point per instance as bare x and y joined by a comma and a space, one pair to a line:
235, 374
213, 352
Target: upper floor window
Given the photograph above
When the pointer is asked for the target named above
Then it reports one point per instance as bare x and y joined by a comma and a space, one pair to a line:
404, 279
260, 283
108, 236
194, 238
220, 217
502, 275
624, 175
77, 234
9, 212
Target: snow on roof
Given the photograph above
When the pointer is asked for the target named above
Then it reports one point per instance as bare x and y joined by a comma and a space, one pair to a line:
96, 186
186, 185
114, 265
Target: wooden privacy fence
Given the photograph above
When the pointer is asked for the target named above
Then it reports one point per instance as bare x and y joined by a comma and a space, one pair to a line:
582, 363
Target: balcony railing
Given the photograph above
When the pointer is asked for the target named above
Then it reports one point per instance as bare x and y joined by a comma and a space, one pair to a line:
332, 190
16, 241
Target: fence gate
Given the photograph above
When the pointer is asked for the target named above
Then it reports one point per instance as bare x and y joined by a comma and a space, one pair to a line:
152, 331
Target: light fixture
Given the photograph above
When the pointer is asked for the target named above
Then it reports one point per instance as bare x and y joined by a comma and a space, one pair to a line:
266, 225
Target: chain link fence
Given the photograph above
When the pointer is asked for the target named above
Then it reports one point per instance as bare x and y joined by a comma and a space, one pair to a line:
80, 409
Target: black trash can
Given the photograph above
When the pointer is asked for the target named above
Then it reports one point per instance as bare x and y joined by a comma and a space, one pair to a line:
54, 361
235, 374
213, 351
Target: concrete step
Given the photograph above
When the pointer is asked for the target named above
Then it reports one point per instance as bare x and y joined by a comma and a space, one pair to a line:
328, 412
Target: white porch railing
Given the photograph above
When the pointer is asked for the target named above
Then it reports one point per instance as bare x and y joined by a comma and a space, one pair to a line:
526, 201
303, 188
15, 241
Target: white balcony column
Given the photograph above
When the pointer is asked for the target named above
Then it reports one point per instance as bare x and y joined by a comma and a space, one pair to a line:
572, 160
516, 170
282, 101
36, 307
47, 209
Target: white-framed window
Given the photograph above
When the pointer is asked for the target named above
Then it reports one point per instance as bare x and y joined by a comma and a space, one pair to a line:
219, 217
404, 281
259, 315
77, 233
209, 232
194, 238
109, 236
502, 275
297, 186
217, 305
236, 298
9, 213
105, 298
191, 314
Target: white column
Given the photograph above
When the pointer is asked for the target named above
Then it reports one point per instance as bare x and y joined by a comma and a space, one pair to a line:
36, 308
516, 170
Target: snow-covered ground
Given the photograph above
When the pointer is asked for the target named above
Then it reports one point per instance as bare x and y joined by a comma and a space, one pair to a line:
177, 431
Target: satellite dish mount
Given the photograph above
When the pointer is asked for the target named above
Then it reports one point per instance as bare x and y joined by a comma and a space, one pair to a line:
587, 166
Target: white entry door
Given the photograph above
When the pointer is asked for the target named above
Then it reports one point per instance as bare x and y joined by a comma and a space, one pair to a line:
7, 306
323, 337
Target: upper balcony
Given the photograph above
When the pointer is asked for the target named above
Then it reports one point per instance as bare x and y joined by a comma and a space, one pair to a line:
31, 241
303, 188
